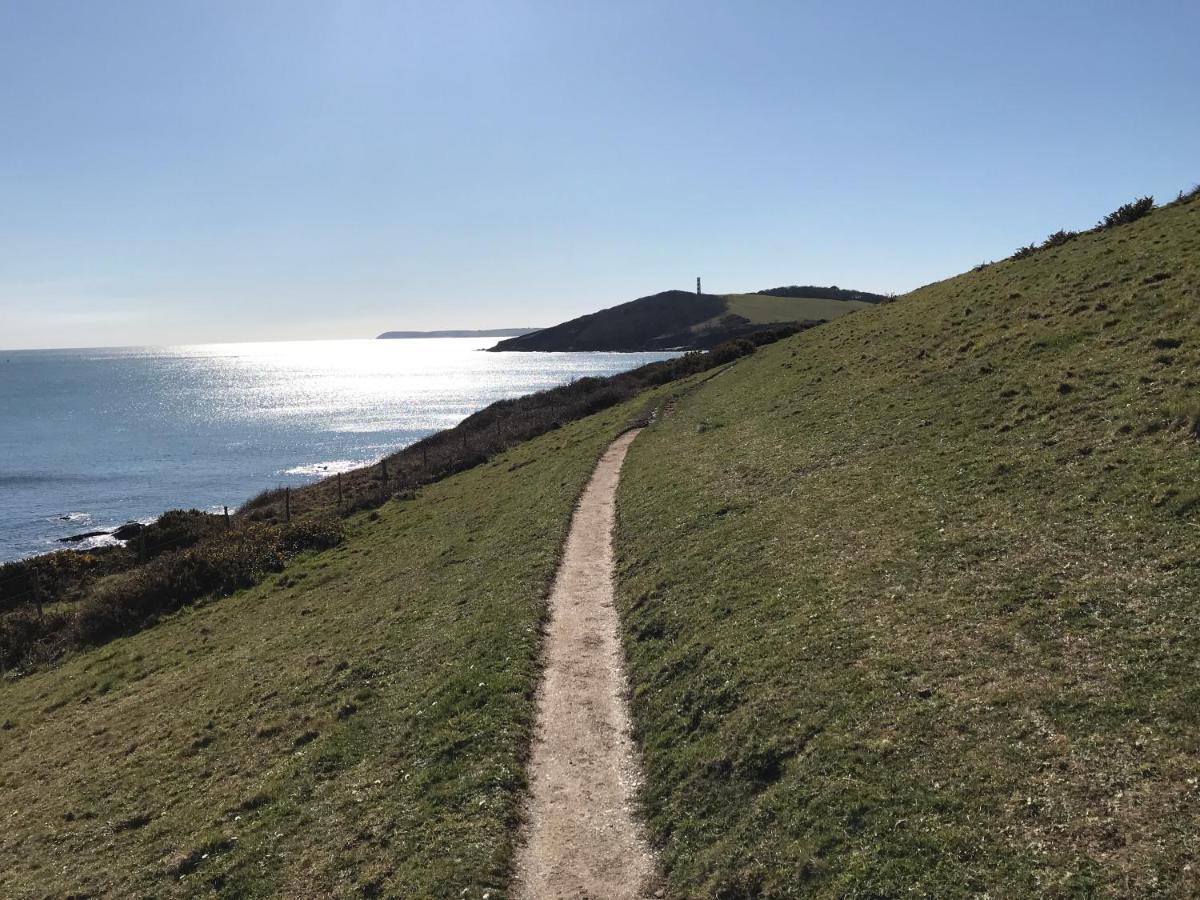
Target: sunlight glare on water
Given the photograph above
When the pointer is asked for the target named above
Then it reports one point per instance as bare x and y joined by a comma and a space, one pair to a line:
92, 438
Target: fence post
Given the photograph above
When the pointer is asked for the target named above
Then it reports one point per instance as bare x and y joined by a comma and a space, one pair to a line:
37, 592
383, 467
339, 476
226, 518
287, 504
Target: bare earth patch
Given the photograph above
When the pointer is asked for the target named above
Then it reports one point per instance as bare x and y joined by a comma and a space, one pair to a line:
582, 839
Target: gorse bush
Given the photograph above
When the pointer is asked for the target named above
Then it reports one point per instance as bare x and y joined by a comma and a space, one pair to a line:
1058, 238
25, 633
127, 601
1129, 212
323, 533
51, 576
1123, 215
176, 529
263, 498
68, 574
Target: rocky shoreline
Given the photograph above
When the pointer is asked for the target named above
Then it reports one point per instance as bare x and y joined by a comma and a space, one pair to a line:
121, 533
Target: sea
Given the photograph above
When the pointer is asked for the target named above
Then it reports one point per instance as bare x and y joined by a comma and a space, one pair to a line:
90, 439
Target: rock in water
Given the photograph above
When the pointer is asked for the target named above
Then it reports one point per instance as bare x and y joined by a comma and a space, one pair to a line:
76, 538
128, 530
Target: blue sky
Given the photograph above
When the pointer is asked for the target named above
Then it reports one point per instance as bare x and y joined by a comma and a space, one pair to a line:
177, 172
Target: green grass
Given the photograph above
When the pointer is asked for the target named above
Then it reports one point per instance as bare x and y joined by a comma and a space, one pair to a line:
354, 726
910, 606
911, 599
764, 309
674, 319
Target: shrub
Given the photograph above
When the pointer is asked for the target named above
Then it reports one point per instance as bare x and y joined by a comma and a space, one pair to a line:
175, 579
221, 563
264, 498
730, 351
1059, 238
1129, 212
54, 576
1188, 196
312, 534
24, 634
178, 528
69, 574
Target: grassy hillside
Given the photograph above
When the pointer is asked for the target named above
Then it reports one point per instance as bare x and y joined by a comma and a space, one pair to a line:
53, 604
353, 726
678, 319
762, 308
910, 606
911, 599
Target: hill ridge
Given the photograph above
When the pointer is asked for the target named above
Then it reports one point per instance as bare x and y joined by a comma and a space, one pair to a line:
911, 599
681, 320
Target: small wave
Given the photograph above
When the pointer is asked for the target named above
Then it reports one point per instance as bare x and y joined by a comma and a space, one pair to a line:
331, 467
370, 427
94, 543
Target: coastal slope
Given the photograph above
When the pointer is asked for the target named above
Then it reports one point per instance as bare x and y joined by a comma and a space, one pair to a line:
679, 320
912, 602
909, 603
355, 725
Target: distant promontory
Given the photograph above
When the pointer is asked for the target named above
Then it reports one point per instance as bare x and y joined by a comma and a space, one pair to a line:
682, 320
460, 333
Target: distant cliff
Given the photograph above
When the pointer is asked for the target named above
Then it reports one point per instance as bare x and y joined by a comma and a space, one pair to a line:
680, 320
460, 333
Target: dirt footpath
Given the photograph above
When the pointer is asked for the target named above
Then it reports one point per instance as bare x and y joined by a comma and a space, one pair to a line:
582, 839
